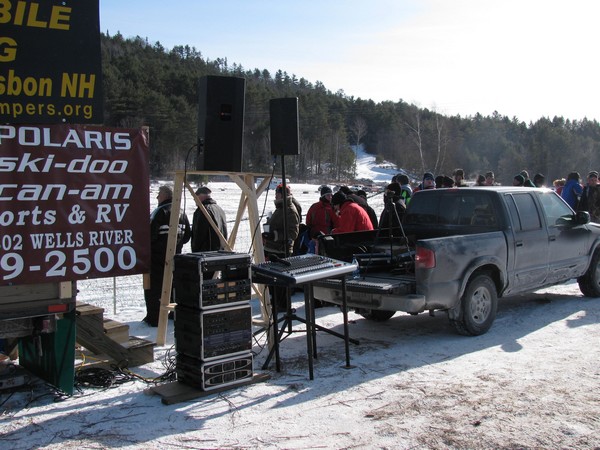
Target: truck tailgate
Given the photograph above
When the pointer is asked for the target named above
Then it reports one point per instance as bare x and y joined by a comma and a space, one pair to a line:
386, 292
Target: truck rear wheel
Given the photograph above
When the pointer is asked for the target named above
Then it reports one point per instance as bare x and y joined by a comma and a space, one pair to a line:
377, 315
589, 283
478, 307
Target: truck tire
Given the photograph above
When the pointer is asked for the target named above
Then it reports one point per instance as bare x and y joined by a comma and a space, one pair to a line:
478, 307
376, 315
589, 283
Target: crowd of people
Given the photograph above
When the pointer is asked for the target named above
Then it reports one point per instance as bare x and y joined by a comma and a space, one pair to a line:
286, 234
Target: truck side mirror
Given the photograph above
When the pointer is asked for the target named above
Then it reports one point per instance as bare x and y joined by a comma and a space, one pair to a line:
582, 217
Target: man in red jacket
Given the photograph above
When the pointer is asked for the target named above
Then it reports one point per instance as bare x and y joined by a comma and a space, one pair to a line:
351, 216
320, 218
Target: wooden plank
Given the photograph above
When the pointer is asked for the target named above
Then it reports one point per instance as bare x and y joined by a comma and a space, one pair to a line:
176, 392
140, 351
65, 289
85, 309
117, 331
29, 292
165, 298
134, 352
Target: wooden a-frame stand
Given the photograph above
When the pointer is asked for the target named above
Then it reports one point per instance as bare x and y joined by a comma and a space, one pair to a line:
248, 201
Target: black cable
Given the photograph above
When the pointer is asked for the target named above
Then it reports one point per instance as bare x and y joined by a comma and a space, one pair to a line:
185, 172
262, 214
263, 331
94, 377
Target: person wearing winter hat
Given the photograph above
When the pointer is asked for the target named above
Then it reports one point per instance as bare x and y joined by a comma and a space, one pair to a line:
428, 182
459, 178
204, 237
279, 240
572, 191
338, 198
320, 218
370, 211
351, 216
447, 182
326, 190
407, 191
439, 181
518, 180
160, 222
590, 199
394, 209
539, 180
290, 197
526, 180
362, 201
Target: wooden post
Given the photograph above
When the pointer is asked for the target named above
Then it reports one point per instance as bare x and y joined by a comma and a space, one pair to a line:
165, 298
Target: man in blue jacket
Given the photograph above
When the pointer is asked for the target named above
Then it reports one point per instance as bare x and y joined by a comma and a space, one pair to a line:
572, 191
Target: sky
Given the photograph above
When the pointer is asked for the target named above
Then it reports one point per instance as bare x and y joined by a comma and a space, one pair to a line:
522, 58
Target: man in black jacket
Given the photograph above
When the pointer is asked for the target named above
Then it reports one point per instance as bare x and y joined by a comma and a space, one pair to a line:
204, 237
159, 235
590, 199
394, 209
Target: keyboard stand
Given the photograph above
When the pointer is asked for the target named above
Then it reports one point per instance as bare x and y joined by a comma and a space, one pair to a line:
311, 327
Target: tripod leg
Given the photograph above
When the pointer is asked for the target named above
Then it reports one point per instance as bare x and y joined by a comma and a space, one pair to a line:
310, 342
345, 314
288, 306
276, 338
313, 320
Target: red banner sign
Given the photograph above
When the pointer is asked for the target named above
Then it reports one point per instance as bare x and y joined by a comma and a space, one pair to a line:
74, 203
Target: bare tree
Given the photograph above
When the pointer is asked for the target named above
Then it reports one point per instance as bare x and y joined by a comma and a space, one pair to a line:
442, 141
358, 129
417, 137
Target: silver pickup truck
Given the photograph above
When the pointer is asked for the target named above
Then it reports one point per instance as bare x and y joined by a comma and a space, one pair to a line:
460, 249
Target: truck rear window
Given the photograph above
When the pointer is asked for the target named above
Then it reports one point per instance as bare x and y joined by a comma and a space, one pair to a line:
452, 208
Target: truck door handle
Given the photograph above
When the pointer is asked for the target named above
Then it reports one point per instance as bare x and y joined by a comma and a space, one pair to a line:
552, 238
519, 243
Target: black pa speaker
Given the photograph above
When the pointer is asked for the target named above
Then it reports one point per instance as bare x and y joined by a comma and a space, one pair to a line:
284, 126
220, 123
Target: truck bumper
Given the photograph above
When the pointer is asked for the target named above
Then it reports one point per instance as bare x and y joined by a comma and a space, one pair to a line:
388, 294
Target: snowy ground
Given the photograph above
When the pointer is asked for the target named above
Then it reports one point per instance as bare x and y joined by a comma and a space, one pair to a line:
530, 382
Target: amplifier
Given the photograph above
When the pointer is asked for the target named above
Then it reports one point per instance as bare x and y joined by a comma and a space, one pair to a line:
214, 333
233, 266
193, 282
212, 293
215, 374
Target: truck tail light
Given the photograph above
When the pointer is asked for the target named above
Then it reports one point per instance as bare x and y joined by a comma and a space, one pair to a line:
425, 258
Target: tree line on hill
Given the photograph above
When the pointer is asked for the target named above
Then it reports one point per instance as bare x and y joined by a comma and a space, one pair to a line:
148, 85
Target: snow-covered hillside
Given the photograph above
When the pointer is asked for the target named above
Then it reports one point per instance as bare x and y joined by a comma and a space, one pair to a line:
366, 168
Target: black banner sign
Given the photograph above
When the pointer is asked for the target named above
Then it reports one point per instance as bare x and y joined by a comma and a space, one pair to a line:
74, 203
50, 63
